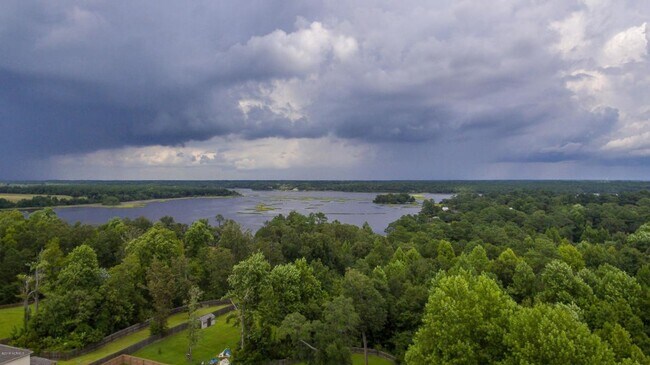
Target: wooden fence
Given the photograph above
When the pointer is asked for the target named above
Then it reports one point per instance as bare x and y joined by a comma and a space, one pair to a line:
3, 306
383, 355
283, 362
131, 360
354, 350
139, 345
66, 355
151, 339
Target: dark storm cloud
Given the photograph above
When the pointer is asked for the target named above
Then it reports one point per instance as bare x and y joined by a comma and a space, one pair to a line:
577, 139
504, 82
77, 77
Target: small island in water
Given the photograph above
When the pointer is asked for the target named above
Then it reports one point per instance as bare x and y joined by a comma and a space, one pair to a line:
400, 198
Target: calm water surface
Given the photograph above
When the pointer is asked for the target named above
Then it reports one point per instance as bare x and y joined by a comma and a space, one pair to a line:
352, 208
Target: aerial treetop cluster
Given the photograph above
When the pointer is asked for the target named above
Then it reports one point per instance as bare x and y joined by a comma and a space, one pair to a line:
390, 198
508, 277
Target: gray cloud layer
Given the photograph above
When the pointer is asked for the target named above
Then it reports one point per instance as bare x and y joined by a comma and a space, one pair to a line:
514, 82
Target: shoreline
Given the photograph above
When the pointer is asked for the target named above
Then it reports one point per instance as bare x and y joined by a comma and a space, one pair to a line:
123, 205
142, 203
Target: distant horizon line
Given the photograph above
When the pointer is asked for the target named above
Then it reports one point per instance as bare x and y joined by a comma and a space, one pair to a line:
323, 180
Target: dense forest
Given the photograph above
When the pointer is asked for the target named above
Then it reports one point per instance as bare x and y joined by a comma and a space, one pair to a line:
390, 198
71, 187
506, 277
72, 192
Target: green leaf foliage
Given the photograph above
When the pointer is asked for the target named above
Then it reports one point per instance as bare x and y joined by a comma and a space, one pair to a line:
465, 321
553, 334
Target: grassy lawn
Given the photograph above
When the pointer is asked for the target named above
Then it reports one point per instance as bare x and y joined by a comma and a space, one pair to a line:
10, 317
172, 349
18, 197
131, 339
357, 359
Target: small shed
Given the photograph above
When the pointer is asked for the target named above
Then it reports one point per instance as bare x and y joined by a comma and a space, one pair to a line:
207, 320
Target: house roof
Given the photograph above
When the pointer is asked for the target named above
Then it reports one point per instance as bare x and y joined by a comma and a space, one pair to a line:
9, 354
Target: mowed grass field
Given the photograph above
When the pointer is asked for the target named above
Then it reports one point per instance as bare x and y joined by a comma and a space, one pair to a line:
358, 359
131, 339
169, 350
18, 197
172, 349
10, 318
214, 339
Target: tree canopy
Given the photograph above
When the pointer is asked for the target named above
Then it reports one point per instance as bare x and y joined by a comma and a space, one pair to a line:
509, 277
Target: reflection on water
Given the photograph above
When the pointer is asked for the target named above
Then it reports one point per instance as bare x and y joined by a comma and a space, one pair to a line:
254, 208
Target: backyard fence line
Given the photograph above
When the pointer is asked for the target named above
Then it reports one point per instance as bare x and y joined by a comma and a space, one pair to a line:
383, 355
283, 362
354, 350
131, 360
148, 341
67, 355
139, 345
11, 305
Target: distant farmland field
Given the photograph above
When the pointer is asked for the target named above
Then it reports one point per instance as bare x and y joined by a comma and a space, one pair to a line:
18, 197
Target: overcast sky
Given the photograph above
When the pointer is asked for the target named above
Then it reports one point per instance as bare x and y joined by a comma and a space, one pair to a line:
325, 89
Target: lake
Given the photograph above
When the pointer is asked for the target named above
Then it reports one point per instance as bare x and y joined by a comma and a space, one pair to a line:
254, 208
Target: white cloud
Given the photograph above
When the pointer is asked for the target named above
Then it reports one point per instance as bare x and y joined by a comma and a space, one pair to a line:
298, 53
141, 156
638, 144
572, 42
276, 153
608, 69
630, 45
589, 87
286, 98
231, 153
